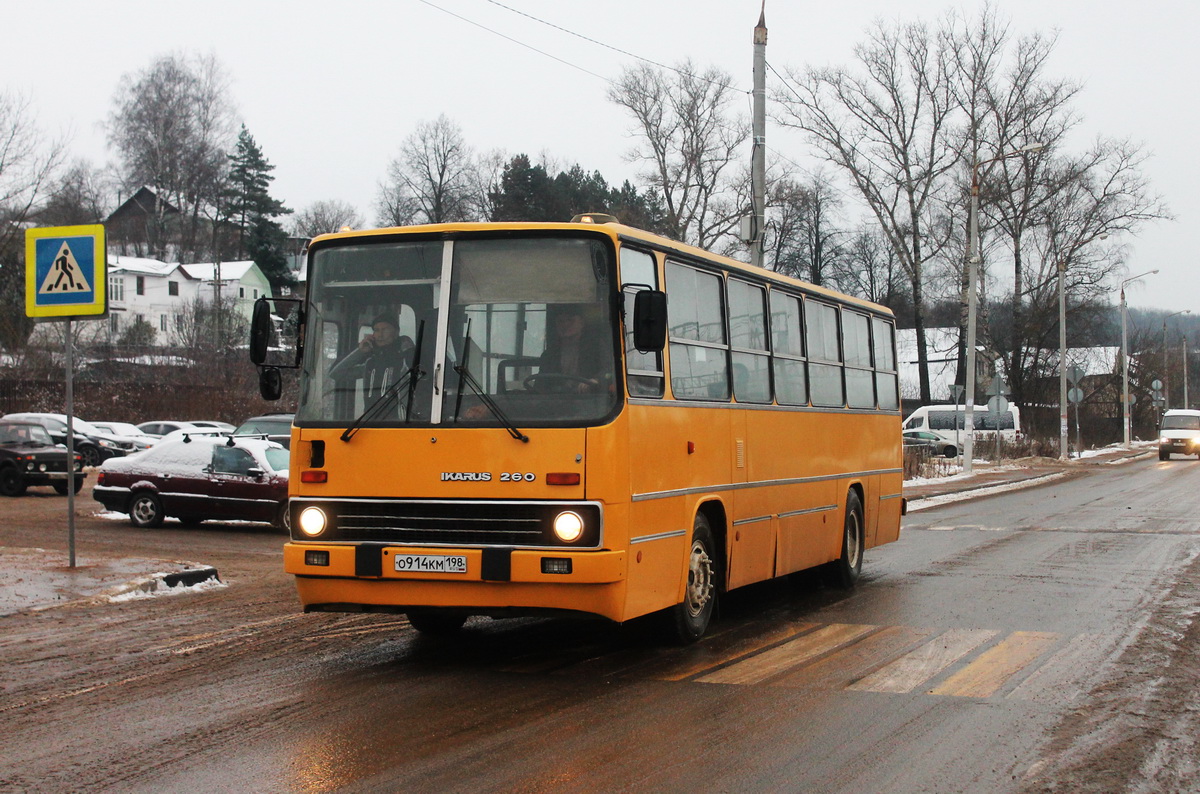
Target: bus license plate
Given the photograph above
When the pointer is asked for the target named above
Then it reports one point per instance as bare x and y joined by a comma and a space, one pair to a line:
431, 563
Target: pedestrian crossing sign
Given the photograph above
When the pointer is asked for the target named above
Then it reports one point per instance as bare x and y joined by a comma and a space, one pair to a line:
65, 272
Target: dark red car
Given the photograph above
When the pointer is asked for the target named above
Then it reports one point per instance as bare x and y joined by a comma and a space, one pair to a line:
197, 478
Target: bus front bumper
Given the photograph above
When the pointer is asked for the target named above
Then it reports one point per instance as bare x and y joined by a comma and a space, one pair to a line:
376, 576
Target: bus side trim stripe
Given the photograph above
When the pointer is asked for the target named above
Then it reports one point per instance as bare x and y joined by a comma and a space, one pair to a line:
660, 536
754, 520
809, 510
737, 486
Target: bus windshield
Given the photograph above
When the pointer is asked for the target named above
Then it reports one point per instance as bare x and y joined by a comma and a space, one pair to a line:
468, 331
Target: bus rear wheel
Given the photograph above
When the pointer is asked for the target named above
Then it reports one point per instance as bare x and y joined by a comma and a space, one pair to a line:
691, 617
844, 571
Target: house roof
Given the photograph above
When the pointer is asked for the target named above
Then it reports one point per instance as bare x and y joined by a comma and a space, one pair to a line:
142, 266
142, 203
230, 271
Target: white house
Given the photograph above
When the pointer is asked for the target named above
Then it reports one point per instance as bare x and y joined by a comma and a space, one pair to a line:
160, 293
242, 281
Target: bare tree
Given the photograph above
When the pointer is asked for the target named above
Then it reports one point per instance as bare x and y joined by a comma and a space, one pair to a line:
689, 138
432, 180
81, 194
322, 217
803, 239
171, 125
28, 162
869, 267
889, 126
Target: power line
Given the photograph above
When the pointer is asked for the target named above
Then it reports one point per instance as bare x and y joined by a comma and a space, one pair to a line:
588, 39
517, 41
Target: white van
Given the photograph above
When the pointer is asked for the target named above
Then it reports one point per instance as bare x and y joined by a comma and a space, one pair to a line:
947, 422
1180, 432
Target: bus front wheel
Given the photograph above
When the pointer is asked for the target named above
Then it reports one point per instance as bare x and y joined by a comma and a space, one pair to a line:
691, 617
844, 571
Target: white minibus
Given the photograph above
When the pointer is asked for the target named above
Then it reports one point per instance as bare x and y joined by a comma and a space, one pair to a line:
947, 421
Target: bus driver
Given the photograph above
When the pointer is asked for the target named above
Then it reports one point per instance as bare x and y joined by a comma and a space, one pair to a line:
380, 359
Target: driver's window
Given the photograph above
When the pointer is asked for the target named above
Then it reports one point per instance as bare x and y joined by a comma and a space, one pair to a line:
231, 460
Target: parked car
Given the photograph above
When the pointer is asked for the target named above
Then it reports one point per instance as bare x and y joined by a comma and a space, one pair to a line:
212, 423
127, 431
195, 432
198, 478
936, 444
276, 427
29, 457
1180, 432
93, 444
161, 427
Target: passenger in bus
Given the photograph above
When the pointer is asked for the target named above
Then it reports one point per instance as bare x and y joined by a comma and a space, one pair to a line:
381, 358
573, 358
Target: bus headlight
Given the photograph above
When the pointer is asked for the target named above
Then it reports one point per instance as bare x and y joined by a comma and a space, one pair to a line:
568, 526
312, 521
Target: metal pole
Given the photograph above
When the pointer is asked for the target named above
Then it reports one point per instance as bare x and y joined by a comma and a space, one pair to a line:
1062, 362
1125, 368
70, 447
758, 168
1166, 366
972, 266
1185, 374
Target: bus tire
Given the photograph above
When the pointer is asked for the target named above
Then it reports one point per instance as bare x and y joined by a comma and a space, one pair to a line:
690, 617
844, 571
436, 622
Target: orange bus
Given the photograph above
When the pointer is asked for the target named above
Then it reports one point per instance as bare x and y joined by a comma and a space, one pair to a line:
575, 418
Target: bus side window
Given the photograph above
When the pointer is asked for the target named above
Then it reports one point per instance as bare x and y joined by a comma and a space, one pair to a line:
748, 337
696, 334
887, 384
787, 349
824, 356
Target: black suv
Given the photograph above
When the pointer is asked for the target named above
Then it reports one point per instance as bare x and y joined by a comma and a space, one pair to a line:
273, 427
29, 457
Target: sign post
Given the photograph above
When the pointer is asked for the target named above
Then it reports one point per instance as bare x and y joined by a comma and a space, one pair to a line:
66, 276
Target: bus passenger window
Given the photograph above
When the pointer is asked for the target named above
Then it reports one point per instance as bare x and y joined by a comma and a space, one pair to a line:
696, 333
824, 368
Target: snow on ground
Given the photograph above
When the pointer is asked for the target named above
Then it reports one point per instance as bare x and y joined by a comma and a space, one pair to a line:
138, 594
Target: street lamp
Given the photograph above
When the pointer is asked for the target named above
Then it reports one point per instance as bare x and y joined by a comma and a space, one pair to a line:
1125, 354
972, 277
1166, 380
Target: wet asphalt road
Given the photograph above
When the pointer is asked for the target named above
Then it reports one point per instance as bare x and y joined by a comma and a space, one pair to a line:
963, 661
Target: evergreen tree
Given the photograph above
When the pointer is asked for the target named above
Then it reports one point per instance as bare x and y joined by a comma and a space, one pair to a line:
528, 193
252, 211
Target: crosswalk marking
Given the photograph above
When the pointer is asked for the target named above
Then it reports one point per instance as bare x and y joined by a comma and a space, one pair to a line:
919, 665
898, 660
995, 666
719, 653
777, 660
1061, 676
842, 668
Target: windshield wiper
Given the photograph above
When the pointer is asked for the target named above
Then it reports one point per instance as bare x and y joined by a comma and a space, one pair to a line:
466, 377
384, 401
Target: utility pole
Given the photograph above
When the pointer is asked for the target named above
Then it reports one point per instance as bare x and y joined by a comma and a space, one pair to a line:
758, 159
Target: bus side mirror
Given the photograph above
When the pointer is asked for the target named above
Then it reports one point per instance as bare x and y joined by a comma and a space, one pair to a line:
650, 320
260, 331
270, 383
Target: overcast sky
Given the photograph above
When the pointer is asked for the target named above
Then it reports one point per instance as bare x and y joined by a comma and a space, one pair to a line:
329, 90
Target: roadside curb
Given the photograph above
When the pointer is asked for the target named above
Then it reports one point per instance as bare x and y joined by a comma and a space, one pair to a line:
163, 581
920, 503
999, 483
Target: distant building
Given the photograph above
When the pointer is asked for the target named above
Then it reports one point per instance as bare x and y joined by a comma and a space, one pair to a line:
162, 294
142, 226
